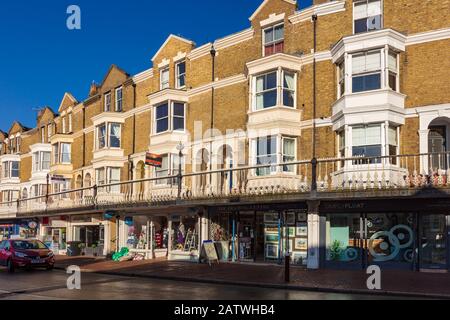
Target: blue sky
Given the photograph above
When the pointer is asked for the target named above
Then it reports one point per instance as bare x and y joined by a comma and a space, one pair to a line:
40, 58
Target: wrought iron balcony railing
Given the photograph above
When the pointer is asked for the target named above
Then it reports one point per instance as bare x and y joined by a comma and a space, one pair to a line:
406, 172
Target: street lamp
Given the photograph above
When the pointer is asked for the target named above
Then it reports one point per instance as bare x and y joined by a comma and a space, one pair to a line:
180, 148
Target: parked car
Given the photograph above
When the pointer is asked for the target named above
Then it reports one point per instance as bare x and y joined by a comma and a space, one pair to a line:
26, 254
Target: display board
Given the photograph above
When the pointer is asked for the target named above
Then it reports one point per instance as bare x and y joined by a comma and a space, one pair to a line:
210, 252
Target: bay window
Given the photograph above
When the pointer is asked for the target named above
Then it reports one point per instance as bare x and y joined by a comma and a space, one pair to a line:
108, 175
366, 71
341, 79
170, 167
11, 169
289, 153
393, 70
119, 99
367, 15
273, 39
41, 161
181, 75
275, 150
369, 141
109, 135
62, 153
170, 116
164, 78
275, 88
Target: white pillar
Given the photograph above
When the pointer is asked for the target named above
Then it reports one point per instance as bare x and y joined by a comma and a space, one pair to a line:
423, 146
313, 235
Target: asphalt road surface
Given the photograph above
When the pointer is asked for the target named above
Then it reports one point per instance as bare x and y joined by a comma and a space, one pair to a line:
51, 285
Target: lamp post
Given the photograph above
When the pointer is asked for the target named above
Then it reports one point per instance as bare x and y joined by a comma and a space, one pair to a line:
180, 148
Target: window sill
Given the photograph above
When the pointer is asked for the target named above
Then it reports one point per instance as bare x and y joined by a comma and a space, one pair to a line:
273, 108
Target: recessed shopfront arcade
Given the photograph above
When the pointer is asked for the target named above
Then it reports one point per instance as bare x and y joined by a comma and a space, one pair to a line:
394, 234
260, 233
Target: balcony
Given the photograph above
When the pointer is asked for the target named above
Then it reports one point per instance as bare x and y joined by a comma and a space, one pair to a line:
386, 176
283, 120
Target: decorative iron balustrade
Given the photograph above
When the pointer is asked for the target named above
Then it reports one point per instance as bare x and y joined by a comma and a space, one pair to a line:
334, 174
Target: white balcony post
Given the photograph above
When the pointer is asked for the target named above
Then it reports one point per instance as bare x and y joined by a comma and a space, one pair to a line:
423, 146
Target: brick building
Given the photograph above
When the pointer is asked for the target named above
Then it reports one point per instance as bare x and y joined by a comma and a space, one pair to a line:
320, 132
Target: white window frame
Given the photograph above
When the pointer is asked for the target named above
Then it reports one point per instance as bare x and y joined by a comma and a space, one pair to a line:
170, 117
283, 155
107, 138
178, 75
164, 84
279, 88
171, 170
354, 18
118, 107
107, 102
273, 42
369, 73
58, 157
69, 118
63, 123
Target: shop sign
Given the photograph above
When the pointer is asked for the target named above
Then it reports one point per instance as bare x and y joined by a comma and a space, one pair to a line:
153, 160
109, 215
210, 251
32, 224
129, 221
57, 179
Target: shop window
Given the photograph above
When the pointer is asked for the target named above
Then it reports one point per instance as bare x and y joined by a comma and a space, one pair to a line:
273, 39
367, 15
343, 238
366, 71
185, 234
137, 233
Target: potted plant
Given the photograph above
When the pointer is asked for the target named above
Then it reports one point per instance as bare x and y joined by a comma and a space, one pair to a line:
82, 247
94, 250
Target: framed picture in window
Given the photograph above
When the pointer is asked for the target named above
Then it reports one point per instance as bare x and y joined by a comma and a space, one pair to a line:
302, 217
300, 258
289, 232
301, 244
271, 217
272, 251
289, 218
302, 229
272, 238
272, 229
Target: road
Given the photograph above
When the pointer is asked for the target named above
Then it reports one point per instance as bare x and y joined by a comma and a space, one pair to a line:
51, 285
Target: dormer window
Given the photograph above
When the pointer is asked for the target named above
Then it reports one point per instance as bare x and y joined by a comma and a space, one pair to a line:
107, 103
367, 16
273, 38
164, 78
119, 99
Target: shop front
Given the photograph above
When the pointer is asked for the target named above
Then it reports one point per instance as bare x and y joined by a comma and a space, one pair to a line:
184, 237
23, 229
400, 238
53, 233
88, 236
261, 234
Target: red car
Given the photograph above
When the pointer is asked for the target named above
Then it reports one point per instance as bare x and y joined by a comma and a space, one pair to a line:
25, 254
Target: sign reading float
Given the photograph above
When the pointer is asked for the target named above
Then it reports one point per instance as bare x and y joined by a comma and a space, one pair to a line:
153, 160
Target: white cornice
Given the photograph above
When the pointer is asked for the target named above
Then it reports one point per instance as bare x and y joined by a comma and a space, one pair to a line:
218, 84
200, 51
44, 147
274, 61
144, 75
234, 39
273, 19
319, 10
167, 94
367, 41
103, 117
434, 35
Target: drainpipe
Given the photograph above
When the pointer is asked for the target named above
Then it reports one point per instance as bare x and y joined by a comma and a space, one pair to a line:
213, 77
314, 139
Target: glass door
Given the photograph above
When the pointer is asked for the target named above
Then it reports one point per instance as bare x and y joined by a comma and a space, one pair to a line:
433, 242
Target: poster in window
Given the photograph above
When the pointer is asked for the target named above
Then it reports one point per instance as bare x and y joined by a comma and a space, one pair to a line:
271, 217
272, 251
302, 229
301, 244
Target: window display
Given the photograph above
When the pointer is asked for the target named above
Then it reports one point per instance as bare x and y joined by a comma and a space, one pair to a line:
185, 233
138, 236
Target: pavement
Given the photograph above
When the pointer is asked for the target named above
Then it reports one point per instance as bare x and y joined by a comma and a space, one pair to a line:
394, 282
52, 285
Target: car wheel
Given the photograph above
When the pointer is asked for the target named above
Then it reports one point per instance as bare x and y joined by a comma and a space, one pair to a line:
10, 266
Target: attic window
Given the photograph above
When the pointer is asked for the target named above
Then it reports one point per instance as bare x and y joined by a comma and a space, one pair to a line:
273, 39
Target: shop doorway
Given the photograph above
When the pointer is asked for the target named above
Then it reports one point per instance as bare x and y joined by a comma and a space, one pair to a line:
90, 239
433, 246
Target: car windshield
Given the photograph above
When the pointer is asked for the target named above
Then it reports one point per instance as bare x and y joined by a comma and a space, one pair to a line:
28, 245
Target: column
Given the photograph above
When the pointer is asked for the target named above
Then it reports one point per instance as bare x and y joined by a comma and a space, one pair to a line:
314, 240
423, 149
169, 241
